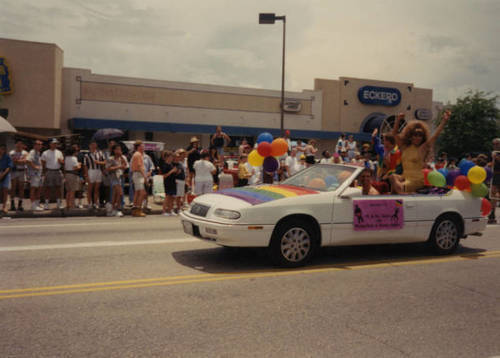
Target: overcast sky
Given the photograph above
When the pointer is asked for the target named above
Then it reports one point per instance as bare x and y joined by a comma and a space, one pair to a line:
447, 45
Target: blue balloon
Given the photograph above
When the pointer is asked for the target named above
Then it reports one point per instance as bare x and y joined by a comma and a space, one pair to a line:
265, 137
330, 180
443, 171
465, 166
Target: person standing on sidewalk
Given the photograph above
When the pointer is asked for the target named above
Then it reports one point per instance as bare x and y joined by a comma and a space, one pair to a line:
93, 162
81, 180
52, 161
180, 179
193, 154
35, 174
18, 176
6, 166
168, 170
149, 167
138, 178
72, 179
495, 181
115, 166
204, 171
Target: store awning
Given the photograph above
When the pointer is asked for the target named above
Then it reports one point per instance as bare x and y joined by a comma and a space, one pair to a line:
94, 124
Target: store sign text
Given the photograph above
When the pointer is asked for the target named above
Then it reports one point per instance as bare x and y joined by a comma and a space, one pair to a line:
383, 96
5, 80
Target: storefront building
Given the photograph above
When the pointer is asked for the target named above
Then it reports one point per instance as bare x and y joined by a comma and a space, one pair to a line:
47, 98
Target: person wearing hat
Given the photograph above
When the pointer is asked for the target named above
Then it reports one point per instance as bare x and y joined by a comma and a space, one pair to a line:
52, 161
193, 154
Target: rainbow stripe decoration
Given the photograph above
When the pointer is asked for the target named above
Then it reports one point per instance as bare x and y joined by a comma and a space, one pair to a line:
264, 193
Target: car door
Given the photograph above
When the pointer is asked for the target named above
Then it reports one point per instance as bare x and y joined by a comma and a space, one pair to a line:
375, 219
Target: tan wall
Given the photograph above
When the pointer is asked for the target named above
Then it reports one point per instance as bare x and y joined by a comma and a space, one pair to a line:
330, 120
109, 92
36, 79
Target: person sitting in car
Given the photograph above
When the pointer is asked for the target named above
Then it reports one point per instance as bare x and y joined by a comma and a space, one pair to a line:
365, 181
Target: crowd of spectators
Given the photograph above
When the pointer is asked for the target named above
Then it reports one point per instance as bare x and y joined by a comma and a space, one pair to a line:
393, 161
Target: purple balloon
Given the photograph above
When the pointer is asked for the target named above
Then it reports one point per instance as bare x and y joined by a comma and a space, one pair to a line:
452, 175
270, 164
489, 174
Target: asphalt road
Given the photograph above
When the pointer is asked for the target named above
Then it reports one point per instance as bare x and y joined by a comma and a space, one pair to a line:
134, 287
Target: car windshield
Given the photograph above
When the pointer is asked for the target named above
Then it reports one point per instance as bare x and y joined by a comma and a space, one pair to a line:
323, 177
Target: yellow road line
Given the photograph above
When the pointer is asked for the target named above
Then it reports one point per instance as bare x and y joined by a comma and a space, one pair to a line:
203, 278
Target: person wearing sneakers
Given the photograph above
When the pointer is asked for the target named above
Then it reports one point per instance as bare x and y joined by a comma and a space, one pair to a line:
18, 156
72, 179
138, 178
168, 170
93, 162
52, 162
35, 175
6, 166
115, 165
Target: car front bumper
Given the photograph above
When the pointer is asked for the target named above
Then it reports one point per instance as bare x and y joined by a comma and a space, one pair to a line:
225, 234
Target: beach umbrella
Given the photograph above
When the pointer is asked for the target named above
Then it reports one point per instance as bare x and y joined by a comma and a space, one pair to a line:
107, 133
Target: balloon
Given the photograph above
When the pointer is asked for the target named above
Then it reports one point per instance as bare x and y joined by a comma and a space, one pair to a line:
476, 174
279, 146
270, 164
489, 173
331, 180
317, 183
479, 190
255, 159
462, 183
452, 175
435, 178
465, 166
264, 149
265, 137
426, 173
443, 171
485, 207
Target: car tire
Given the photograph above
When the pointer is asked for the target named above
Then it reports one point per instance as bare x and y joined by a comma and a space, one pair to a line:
293, 243
445, 235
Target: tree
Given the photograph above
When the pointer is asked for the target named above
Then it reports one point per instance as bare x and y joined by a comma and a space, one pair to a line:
472, 126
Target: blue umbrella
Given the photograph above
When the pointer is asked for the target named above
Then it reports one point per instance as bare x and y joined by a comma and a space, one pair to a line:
107, 133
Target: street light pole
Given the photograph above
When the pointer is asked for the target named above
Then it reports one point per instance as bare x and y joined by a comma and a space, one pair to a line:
267, 18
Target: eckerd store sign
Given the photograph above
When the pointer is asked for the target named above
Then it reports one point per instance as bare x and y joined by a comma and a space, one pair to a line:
382, 96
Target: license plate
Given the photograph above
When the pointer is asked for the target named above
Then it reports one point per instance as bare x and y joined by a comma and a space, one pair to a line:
188, 227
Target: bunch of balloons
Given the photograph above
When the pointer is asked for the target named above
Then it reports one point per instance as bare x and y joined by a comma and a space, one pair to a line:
469, 177
267, 151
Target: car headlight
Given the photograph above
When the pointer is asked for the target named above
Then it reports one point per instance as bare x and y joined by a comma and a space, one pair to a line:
227, 214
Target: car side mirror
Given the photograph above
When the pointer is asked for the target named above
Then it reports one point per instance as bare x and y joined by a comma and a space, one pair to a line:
351, 192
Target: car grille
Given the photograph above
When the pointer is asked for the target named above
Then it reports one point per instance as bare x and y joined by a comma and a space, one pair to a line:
199, 210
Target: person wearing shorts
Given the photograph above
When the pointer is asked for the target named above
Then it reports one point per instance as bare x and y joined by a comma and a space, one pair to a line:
6, 166
52, 161
115, 166
168, 170
495, 180
93, 162
71, 168
204, 171
35, 175
138, 178
180, 179
18, 175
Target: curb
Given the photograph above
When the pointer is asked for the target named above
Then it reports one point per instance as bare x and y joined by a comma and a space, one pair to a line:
63, 213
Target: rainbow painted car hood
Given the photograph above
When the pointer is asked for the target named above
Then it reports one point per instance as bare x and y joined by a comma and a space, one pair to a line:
264, 193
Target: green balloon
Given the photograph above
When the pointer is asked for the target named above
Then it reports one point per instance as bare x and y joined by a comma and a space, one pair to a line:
479, 190
435, 178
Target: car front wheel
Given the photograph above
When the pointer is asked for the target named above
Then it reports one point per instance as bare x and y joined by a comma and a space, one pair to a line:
445, 235
293, 243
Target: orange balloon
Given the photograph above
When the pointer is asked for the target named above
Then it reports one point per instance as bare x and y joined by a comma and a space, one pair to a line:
317, 183
279, 147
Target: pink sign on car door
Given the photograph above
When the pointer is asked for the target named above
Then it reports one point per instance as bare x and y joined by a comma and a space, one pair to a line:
378, 214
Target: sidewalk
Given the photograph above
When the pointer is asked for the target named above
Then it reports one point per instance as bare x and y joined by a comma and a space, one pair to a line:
53, 212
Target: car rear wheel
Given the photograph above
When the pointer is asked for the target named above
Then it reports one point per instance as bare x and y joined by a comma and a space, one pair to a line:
293, 243
445, 235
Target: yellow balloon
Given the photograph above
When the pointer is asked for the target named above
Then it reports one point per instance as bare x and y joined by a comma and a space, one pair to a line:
255, 159
476, 174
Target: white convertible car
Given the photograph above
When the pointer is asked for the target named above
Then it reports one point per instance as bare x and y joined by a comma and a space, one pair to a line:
320, 206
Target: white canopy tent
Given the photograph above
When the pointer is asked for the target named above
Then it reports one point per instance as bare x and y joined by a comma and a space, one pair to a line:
6, 127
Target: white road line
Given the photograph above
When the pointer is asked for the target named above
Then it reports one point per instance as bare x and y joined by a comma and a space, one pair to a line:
89, 223
97, 244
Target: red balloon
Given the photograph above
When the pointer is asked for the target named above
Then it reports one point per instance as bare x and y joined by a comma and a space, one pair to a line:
426, 173
485, 207
264, 149
462, 183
